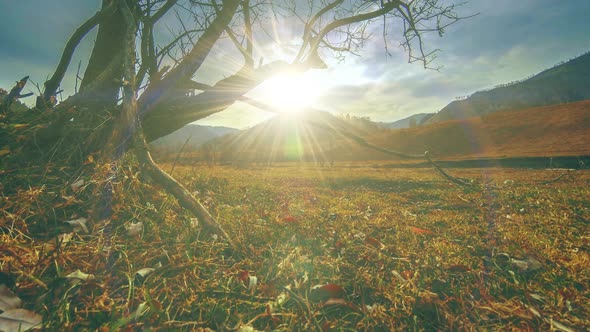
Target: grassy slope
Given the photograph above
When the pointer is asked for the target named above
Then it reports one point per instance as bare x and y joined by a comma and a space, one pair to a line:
558, 130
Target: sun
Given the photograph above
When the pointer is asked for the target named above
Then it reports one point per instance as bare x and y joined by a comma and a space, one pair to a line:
289, 92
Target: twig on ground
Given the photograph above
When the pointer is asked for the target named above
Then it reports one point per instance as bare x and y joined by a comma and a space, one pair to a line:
559, 177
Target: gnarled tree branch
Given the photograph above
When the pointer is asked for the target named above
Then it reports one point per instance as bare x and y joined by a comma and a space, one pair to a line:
173, 113
148, 54
159, 91
53, 83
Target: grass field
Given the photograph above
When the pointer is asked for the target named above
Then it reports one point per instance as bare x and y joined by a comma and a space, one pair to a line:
356, 248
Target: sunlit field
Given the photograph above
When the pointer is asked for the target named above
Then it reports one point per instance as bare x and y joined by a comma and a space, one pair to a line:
355, 247
330, 165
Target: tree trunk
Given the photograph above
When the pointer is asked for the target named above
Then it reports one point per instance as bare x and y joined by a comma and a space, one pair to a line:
108, 51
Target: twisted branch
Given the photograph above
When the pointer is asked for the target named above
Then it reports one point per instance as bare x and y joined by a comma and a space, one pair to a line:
53, 83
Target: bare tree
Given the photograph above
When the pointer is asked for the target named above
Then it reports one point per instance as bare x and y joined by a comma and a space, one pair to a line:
138, 87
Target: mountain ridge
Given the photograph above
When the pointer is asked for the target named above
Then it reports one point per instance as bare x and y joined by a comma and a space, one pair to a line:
406, 122
565, 82
553, 130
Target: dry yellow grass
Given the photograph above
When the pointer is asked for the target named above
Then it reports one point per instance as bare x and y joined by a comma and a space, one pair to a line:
398, 249
555, 130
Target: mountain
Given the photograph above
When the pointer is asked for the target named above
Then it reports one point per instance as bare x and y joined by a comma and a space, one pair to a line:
309, 136
555, 130
198, 135
406, 122
565, 82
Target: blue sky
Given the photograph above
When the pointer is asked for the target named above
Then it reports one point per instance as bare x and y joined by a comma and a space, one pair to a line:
507, 41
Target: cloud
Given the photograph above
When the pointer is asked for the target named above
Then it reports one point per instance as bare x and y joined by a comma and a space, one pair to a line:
37, 31
33, 37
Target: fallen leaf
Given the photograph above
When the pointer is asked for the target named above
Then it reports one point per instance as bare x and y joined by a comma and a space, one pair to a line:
19, 320
249, 281
243, 275
8, 300
60, 239
335, 301
374, 242
145, 271
290, 219
528, 265
247, 328
324, 292
80, 275
4, 152
65, 237
89, 160
421, 231
76, 185
134, 229
534, 264
252, 282
407, 274
79, 225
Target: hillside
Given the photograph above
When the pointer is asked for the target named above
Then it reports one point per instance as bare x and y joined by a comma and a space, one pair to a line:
566, 82
311, 136
198, 135
406, 122
557, 130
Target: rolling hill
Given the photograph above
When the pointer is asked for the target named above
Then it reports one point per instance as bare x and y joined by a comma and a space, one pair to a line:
556, 130
566, 82
406, 122
310, 136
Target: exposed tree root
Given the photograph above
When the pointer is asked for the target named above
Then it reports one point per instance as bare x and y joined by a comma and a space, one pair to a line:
445, 174
168, 183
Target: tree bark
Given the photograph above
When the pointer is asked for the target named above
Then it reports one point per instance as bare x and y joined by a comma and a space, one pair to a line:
108, 51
